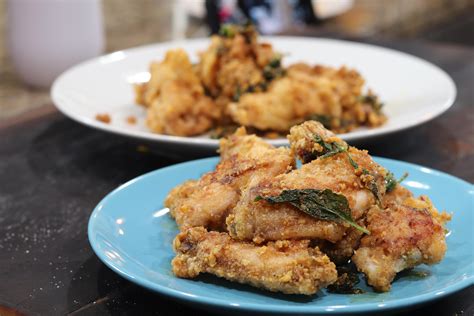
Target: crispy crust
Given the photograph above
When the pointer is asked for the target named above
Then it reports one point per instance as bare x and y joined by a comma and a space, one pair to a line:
291, 267
207, 201
402, 236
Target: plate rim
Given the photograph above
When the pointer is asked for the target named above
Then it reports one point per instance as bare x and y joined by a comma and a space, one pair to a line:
212, 143
302, 309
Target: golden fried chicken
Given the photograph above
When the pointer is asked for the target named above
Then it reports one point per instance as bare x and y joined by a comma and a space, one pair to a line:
291, 267
303, 140
207, 201
219, 67
349, 172
233, 64
175, 98
341, 251
334, 95
402, 236
286, 102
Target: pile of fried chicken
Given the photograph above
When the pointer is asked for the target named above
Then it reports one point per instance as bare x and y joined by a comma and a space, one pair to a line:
241, 82
235, 222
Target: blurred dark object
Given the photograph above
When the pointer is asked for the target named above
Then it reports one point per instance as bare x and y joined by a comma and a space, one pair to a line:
268, 16
304, 11
458, 31
212, 16
440, 20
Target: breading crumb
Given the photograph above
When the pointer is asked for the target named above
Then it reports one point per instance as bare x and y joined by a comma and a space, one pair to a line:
132, 120
103, 117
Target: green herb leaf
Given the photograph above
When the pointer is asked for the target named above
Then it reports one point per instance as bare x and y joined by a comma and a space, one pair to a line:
227, 30
391, 182
331, 149
321, 118
270, 73
275, 62
405, 175
352, 162
372, 100
237, 94
321, 204
372, 186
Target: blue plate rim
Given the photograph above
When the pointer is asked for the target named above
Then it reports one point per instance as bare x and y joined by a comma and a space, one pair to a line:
310, 309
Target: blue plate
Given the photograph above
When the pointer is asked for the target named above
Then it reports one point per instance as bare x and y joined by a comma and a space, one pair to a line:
132, 233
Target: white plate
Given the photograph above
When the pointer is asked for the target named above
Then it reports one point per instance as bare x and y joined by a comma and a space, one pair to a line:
413, 90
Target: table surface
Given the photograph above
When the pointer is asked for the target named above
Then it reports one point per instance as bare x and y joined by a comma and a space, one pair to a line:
54, 171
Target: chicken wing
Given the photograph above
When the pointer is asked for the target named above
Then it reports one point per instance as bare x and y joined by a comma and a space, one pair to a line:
207, 201
175, 98
291, 267
233, 64
402, 236
334, 95
362, 187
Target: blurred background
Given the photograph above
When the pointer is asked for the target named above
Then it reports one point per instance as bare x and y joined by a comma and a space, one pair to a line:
128, 23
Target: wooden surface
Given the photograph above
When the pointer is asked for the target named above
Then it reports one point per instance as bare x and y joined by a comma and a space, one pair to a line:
54, 171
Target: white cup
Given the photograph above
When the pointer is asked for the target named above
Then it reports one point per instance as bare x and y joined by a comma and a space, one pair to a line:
45, 37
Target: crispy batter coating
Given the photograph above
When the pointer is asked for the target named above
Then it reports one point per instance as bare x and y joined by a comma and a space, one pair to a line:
302, 140
175, 98
402, 237
260, 221
341, 251
306, 92
231, 62
291, 267
207, 201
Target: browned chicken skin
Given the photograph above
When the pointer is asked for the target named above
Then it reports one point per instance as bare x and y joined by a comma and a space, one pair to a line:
175, 98
260, 221
291, 267
402, 236
207, 201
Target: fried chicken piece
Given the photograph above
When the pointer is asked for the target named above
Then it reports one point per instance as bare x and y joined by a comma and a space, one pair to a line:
175, 98
287, 102
291, 267
347, 84
260, 221
341, 251
233, 63
402, 236
207, 201
304, 92
303, 143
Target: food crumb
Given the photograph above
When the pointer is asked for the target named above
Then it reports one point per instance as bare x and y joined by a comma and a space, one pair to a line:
103, 117
131, 120
142, 149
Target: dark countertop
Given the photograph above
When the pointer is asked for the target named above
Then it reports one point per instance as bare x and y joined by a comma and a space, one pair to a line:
54, 171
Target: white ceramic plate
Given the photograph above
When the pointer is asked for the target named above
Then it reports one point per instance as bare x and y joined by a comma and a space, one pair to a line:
413, 90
